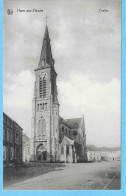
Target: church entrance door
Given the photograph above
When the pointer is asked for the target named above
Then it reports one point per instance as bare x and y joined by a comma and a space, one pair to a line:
41, 153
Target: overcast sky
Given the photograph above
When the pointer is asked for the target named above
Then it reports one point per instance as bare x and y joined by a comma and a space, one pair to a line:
86, 46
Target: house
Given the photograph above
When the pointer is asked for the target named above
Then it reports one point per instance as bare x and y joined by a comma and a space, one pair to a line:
12, 141
25, 148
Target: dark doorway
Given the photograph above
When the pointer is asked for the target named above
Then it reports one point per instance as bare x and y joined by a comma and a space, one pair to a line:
39, 157
44, 156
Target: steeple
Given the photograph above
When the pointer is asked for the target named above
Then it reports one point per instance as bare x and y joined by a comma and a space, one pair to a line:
46, 58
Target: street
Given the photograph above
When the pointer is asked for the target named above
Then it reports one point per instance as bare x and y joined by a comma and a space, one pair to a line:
80, 176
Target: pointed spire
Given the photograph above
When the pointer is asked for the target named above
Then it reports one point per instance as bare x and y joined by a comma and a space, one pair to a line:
46, 53
46, 35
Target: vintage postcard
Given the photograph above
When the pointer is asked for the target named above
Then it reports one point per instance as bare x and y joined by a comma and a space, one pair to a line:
62, 95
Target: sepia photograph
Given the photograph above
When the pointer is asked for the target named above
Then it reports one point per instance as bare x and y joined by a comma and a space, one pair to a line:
61, 95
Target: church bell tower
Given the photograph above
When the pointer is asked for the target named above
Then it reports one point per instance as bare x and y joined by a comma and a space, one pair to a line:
45, 108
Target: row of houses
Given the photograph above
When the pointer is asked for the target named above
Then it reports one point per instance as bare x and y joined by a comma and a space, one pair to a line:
110, 155
16, 145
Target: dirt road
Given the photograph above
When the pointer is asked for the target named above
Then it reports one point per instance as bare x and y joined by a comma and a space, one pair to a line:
81, 176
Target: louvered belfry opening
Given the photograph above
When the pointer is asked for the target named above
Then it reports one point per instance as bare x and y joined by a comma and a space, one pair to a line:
42, 87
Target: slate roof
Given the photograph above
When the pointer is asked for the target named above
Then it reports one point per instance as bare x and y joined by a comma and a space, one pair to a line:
63, 121
15, 123
74, 122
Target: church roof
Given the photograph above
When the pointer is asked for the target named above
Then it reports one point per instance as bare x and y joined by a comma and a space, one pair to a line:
46, 58
67, 141
74, 122
63, 121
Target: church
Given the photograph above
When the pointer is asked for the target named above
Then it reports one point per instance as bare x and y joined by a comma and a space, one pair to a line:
53, 139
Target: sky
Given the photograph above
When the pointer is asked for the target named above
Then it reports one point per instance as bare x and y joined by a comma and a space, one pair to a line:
86, 46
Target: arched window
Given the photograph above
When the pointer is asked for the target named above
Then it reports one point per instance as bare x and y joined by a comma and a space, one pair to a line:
67, 149
41, 127
62, 150
62, 129
42, 86
44, 127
